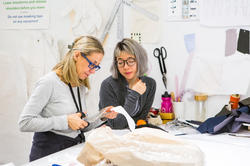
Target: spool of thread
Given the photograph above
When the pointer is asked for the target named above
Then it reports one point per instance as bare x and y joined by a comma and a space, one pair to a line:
234, 101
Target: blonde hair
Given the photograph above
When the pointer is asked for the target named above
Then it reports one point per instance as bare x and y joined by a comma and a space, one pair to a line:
66, 68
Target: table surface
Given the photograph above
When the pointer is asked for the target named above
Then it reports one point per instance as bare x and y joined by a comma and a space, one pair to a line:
221, 149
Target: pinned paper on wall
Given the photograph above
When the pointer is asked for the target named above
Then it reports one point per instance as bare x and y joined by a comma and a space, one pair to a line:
182, 10
189, 40
224, 12
222, 76
243, 41
231, 40
24, 14
136, 37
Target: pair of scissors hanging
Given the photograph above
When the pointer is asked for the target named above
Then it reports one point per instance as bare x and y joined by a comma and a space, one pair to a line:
161, 55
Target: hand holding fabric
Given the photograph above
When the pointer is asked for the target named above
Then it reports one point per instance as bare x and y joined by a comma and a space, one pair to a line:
75, 122
110, 114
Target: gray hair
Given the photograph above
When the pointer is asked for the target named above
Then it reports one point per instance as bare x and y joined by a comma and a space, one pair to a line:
134, 48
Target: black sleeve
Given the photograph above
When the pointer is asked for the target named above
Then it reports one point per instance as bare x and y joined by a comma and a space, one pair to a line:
108, 97
149, 101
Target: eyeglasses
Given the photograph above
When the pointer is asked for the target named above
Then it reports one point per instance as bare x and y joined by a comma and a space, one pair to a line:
91, 65
129, 61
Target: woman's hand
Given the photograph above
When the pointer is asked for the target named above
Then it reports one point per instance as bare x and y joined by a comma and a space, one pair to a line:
139, 87
75, 122
109, 113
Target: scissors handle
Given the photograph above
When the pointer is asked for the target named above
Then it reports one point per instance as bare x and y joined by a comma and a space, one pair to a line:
157, 52
164, 56
163, 52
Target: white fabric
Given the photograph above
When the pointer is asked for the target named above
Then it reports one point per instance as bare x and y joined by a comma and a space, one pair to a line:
121, 110
144, 146
154, 120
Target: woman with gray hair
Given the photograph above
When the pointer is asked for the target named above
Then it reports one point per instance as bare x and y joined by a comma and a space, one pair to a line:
56, 107
128, 86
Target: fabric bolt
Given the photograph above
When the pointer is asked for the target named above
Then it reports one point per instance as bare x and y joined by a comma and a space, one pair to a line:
115, 92
234, 122
244, 117
245, 102
224, 111
226, 123
208, 125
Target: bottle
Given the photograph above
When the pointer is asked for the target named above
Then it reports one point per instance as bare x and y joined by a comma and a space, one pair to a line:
166, 103
200, 111
234, 101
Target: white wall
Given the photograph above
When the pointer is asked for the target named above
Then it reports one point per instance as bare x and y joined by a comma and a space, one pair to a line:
16, 45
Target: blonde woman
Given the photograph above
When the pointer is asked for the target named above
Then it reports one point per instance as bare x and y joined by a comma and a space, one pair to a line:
56, 106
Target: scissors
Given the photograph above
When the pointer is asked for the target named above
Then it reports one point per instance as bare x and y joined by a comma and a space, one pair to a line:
161, 55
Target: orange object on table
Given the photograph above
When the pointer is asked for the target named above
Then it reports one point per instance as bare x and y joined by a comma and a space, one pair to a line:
141, 122
234, 101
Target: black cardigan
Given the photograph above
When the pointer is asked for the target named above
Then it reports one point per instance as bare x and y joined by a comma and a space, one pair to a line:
114, 92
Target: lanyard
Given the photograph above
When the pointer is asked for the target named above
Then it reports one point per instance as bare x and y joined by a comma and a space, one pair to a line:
79, 100
82, 137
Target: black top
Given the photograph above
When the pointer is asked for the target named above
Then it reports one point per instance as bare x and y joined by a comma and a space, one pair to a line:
115, 92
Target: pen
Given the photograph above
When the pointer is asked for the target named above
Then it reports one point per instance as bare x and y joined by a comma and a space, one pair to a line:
178, 99
180, 134
239, 135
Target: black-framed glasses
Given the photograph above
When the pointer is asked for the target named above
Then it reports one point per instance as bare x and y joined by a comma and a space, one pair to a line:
130, 62
91, 64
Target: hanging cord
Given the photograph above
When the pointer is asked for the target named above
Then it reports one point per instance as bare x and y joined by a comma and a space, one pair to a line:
79, 100
82, 137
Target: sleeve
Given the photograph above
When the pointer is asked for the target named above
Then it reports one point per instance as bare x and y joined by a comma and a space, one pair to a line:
31, 119
108, 97
149, 101
130, 102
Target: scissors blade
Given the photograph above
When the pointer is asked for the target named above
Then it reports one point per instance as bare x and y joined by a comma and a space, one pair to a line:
164, 79
96, 121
